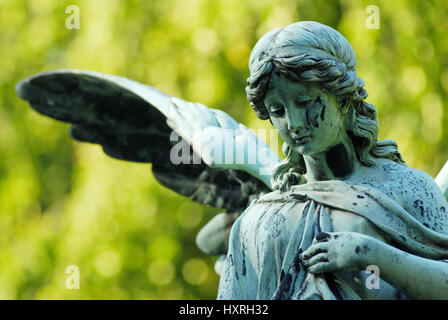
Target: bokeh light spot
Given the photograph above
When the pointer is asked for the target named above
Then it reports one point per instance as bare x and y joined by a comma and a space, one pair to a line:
161, 272
108, 263
195, 271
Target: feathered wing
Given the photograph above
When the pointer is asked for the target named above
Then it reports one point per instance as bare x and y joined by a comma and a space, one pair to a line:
133, 122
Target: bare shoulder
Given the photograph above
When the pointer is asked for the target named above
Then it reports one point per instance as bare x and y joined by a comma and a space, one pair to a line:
417, 192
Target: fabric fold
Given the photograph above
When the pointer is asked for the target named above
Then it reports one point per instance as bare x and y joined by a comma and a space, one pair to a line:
277, 228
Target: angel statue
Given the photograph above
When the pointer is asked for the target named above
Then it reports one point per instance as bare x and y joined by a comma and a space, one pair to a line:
306, 227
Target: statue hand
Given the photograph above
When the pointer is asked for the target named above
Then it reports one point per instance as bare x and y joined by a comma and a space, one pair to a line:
337, 252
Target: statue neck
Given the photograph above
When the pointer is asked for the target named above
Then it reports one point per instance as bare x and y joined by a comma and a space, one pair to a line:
337, 163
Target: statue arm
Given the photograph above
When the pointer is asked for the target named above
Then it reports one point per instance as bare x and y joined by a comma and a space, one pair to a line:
415, 276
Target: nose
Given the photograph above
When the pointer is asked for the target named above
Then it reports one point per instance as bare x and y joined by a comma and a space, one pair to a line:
295, 119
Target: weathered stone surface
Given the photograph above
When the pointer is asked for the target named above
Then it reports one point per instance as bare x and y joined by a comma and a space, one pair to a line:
356, 208
213, 239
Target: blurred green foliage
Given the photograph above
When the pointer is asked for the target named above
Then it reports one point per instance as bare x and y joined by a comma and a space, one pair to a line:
64, 203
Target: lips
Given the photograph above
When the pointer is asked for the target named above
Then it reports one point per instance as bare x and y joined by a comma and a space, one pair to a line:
302, 139
299, 138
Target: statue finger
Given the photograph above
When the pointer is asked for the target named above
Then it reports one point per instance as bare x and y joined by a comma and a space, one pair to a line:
321, 257
322, 237
321, 267
317, 248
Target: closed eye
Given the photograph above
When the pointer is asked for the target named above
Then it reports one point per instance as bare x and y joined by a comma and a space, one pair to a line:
277, 110
304, 103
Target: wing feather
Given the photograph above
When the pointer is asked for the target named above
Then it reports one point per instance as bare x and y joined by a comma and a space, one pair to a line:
131, 122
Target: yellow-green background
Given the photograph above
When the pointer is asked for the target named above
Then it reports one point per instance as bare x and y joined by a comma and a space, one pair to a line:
65, 203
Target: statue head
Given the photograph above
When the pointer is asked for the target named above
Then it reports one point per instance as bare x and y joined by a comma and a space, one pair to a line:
312, 67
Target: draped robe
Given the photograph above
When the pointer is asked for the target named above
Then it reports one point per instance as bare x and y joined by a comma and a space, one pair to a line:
265, 242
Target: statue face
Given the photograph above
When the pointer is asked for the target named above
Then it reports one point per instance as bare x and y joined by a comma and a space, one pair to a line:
307, 118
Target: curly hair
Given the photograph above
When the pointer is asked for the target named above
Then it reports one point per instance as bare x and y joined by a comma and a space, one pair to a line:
312, 52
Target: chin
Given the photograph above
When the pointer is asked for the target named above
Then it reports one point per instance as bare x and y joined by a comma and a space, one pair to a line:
307, 149
304, 149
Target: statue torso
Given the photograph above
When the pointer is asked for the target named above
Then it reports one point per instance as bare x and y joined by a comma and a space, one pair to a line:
271, 230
